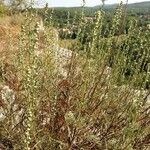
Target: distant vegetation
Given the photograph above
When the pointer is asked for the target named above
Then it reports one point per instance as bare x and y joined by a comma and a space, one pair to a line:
138, 10
68, 20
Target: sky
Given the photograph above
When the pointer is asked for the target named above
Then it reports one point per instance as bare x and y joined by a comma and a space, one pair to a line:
71, 3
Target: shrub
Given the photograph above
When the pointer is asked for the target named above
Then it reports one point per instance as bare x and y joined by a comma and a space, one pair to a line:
77, 99
3, 10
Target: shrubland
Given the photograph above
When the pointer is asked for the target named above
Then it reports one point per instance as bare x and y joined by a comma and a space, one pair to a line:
94, 97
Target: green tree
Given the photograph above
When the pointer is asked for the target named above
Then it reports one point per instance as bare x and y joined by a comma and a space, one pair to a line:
2, 8
18, 4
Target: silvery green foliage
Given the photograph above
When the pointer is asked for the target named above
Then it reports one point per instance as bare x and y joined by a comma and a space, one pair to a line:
87, 111
2, 115
70, 118
8, 97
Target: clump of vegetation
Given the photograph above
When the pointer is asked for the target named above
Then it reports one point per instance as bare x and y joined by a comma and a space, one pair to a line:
3, 9
92, 96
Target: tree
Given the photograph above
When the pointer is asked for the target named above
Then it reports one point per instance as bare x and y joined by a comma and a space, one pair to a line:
2, 8
1, 2
18, 4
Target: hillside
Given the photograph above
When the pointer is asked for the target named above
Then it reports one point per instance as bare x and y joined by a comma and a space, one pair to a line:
145, 5
71, 81
142, 7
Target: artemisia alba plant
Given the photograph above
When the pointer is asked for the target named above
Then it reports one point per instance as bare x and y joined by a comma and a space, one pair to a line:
101, 102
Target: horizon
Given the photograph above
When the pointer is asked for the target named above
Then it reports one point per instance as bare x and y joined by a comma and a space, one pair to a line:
78, 3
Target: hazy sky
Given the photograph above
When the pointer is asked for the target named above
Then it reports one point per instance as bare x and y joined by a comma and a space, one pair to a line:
68, 3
